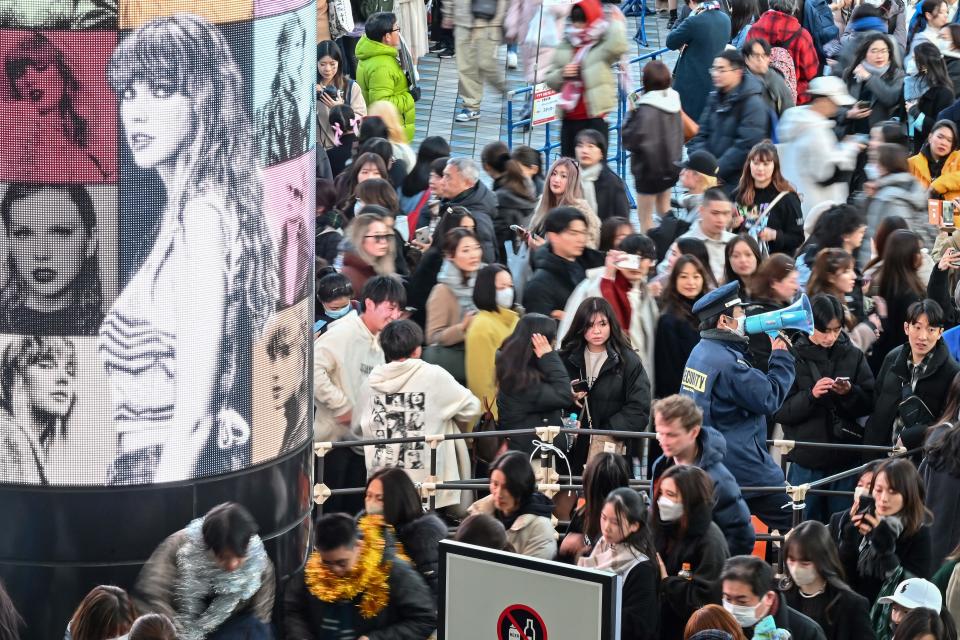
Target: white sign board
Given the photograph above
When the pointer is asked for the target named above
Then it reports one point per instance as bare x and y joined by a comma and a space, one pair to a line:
545, 102
494, 595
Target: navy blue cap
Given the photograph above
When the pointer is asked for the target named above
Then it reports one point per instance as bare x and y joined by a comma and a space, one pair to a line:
718, 300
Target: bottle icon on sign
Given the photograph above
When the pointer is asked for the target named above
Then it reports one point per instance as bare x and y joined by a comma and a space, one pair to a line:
529, 630
514, 634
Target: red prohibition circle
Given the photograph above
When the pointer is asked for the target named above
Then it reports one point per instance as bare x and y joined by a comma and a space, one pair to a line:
507, 613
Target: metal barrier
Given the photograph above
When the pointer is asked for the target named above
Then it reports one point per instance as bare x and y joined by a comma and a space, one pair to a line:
549, 479
619, 158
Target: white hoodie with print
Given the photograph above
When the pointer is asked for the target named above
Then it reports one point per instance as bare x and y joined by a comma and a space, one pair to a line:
413, 398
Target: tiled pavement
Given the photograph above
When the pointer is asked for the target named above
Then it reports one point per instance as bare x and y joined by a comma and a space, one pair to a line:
439, 102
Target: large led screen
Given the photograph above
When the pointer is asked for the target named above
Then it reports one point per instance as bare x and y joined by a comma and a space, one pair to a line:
156, 181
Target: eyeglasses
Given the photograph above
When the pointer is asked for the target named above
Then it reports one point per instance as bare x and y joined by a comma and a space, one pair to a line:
719, 70
396, 30
379, 238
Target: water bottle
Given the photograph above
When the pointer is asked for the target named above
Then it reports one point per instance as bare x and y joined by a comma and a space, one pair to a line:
685, 571
570, 422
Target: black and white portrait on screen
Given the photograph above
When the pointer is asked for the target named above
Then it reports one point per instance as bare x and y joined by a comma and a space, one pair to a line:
173, 342
285, 98
38, 376
280, 394
60, 248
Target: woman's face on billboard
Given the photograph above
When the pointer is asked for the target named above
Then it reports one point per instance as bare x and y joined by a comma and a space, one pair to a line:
157, 122
41, 86
48, 245
50, 381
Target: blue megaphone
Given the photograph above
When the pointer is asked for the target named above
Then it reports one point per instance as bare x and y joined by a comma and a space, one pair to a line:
797, 316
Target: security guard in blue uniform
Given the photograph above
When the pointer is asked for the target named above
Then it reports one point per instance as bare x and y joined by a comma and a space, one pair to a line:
736, 398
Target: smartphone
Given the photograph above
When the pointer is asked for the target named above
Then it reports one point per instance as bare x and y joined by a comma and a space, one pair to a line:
628, 261
841, 379
866, 504
520, 231
423, 235
862, 104
331, 91
580, 385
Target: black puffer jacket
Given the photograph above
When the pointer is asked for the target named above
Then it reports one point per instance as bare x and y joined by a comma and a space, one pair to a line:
619, 398
912, 552
705, 549
931, 388
847, 616
421, 540
810, 419
538, 405
512, 208
730, 125
554, 279
410, 613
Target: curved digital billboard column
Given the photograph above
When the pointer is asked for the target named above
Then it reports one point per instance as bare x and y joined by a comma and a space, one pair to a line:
156, 199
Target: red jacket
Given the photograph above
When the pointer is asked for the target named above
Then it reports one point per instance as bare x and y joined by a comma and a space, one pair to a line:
776, 28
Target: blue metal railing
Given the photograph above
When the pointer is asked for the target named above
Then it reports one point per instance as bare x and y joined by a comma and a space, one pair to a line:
619, 157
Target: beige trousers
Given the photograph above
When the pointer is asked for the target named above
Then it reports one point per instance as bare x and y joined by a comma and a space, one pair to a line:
477, 62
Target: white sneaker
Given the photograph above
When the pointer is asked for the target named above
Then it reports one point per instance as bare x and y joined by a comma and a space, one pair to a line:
511, 60
466, 115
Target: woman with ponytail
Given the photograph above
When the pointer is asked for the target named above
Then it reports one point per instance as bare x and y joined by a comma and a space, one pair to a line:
516, 196
931, 16
345, 129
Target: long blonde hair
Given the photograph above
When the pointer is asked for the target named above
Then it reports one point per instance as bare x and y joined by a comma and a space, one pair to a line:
358, 228
571, 197
387, 112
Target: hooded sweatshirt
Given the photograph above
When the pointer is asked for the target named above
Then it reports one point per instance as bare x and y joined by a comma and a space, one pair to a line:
343, 357
803, 134
654, 135
415, 398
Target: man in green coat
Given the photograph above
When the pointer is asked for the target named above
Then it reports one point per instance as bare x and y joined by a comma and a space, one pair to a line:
379, 73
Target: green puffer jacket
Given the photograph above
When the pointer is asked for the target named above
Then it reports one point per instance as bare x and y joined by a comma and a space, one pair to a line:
600, 82
381, 78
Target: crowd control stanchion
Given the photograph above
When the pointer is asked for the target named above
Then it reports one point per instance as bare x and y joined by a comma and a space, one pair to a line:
428, 488
321, 492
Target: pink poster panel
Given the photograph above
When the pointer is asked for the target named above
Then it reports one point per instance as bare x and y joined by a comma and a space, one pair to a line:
287, 193
59, 113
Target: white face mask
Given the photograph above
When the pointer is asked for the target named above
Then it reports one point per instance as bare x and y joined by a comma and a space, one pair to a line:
374, 508
745, 615
803, 576
505, 297
870, 169
670, 511
741, 329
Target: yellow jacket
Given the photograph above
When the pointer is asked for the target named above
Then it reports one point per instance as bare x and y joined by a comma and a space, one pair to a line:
948, 184
486, 333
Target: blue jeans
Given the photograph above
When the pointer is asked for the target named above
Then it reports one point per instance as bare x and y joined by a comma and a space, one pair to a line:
821, 507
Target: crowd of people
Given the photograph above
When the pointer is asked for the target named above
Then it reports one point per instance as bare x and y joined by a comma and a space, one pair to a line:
797, 150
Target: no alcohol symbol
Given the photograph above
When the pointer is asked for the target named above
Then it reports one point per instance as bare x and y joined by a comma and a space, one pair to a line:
520, 622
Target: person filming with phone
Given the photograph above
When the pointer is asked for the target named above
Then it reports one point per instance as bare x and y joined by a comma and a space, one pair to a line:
885, 537
832, 390
912, 384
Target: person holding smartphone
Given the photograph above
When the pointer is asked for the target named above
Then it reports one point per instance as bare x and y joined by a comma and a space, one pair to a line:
890, 535
832, 390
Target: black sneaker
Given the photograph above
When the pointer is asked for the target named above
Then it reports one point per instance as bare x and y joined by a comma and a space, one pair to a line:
437, 46
446, 53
